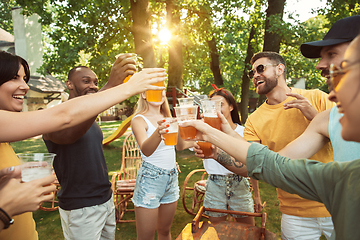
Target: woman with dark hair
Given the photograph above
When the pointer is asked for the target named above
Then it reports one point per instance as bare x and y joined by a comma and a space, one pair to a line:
224, 189
16, 125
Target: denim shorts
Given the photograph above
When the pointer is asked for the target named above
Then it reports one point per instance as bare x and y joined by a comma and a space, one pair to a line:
155, 186
228, 192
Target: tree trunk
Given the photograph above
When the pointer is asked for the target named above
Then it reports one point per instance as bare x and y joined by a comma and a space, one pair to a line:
244, 104
215, 62
142, 32
272, 39
175, 71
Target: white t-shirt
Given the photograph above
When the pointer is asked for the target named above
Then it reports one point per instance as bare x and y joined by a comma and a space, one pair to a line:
213, 167
164, 156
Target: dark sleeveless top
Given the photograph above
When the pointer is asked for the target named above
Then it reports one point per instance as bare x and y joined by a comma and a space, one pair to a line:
81, 170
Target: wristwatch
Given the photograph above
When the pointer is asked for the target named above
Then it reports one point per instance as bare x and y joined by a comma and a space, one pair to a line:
5, 218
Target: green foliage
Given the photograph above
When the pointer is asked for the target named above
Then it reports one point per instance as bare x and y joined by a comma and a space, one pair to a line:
92, 32
5, 15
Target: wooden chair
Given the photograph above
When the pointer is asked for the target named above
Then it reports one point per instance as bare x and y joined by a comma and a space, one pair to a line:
193, 191
123, 182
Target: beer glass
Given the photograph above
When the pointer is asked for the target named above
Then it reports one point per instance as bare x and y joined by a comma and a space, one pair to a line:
189, 101
155, 95
35, 165
205, 147
210, 108
184, 114
170, 138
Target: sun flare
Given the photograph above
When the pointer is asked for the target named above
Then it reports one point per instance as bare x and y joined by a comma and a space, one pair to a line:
164, 35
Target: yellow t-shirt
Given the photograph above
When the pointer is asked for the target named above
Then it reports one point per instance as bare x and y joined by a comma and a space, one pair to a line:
24, 224
275, 127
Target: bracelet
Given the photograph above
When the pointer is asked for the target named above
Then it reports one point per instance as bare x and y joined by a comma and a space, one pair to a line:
5, 218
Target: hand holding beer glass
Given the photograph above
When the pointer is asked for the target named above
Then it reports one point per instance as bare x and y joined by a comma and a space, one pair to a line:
170, 137
184, 114
136, 62
210, 108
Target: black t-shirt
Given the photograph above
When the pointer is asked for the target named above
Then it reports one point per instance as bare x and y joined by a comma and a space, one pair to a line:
81, 170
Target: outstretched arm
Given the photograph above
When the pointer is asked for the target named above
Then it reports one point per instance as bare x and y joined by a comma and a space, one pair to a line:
119, 71
16, 126
236, 147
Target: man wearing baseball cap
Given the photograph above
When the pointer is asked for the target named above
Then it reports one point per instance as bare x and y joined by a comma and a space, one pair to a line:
325, 126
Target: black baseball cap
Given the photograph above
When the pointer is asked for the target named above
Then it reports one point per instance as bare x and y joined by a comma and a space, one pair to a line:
343, 30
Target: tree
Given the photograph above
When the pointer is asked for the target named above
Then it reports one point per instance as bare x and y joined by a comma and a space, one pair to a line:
175, 45
142, 32
5, 15
272, 37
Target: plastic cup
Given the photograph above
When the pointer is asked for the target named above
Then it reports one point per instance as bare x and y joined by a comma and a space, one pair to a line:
170, 138
205, 147
184, 114
155, 95
189, 101
133, 57
210, 108
36, 165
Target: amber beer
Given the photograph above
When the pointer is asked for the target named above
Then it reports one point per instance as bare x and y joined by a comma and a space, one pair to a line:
187, 133
185, 114
170, 138
213, 121
205, 147
155, 95
127, 78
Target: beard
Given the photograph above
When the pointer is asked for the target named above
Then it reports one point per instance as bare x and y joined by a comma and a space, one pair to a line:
267, 86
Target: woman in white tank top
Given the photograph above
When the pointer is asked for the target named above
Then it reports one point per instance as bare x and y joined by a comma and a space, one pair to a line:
157, 189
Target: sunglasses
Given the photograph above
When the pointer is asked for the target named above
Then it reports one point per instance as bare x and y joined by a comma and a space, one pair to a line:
259, 69
337, 74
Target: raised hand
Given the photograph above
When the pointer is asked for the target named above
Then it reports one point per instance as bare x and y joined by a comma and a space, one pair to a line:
301, 103
123, 67
143, 80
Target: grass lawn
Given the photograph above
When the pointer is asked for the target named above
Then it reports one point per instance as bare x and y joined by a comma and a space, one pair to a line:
48, 223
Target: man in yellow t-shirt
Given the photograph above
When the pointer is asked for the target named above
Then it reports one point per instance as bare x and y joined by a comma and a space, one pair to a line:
24, 224
282, 118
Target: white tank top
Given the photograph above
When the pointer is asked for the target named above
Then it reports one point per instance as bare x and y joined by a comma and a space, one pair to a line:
164, 156
213, 167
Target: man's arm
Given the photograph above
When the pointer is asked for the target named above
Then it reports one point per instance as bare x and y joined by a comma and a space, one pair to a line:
311, 140
119, 71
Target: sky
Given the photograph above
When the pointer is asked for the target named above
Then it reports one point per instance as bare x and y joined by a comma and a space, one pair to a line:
303, 8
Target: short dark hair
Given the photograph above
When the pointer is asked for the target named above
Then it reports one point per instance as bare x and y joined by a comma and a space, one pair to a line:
230, 99
10, 65
274, 57
72, 71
